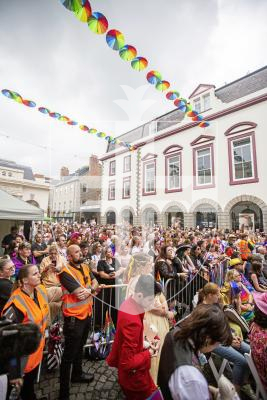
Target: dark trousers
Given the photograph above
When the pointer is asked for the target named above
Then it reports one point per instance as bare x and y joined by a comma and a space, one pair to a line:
27, 390
76, 333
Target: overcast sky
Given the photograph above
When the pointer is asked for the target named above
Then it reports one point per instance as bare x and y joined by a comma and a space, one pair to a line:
49, 56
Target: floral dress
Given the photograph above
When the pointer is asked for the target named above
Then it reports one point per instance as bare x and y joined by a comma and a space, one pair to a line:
258, 345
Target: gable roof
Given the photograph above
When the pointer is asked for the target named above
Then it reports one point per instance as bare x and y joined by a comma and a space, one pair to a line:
201, 89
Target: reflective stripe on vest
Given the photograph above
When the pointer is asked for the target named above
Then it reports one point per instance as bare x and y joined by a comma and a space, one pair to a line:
71, 305
29, 308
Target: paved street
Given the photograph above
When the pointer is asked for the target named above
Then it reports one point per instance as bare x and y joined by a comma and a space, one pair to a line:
105, 385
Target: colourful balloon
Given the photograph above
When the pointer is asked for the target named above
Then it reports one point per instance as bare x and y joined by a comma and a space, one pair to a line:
203, 124
197, 118
29, 103
92, 130
98, 23
64, 118
12, 95
162, 85
179, 102
188, 107
54, 115
44, 110
115, 39
84, 128
139, 63
72, 123
128, 52
82, 10
172, 95
101, 134
192, 113
153, 77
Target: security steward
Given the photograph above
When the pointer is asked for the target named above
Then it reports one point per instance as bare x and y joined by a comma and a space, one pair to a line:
29, 303
78, 283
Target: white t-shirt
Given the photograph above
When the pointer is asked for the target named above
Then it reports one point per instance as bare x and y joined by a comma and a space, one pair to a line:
188, 383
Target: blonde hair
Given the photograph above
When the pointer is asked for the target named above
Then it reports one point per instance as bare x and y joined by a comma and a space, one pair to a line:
230, 275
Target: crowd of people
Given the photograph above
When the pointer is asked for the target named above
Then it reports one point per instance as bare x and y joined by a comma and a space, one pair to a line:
59, 272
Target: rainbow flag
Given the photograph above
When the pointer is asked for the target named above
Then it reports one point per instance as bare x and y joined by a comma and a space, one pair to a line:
109, 328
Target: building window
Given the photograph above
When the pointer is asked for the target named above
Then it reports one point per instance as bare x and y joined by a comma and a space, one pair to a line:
206, 102
112, 168
127, 164
111, 190
150, 177
84, 188
173, 173
4, 173
203, 165
197, 105
242, 159
126, 189
10, 174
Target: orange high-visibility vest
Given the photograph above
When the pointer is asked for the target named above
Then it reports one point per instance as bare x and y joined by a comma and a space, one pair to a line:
71, 305
32, 313
244, 249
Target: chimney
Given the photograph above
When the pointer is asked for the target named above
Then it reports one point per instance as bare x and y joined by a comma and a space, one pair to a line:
94, 166
64, 171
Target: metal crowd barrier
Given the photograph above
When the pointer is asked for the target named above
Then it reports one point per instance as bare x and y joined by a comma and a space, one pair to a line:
180, 292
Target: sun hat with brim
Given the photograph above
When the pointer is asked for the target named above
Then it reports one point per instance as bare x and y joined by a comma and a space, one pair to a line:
234, 262
183, 246
260, 300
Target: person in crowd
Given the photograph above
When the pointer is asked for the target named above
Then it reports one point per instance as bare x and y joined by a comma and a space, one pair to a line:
84, 246
154, 249
210, 294
244, 246
75, 238
235, 294
128, 353
50, 267
257, 278
77, 285
23, 257
29, 303
96, 254
135, 245
39, 248
140, 264
238, 264
109, 268
180, 375
61, 245
158, 318
258, 336
247, 266
12, 249
183, 258
124, 256
165, 267
8, 238
7, 270
230, 247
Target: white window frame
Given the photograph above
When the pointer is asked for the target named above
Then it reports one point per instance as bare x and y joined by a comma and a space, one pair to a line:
146, 165
169, 157
197, 170
233, 159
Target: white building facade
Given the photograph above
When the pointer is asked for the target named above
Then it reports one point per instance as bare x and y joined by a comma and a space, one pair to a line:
19, 181
190, 176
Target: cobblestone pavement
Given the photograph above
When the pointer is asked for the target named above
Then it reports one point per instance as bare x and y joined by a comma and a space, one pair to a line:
104, 386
